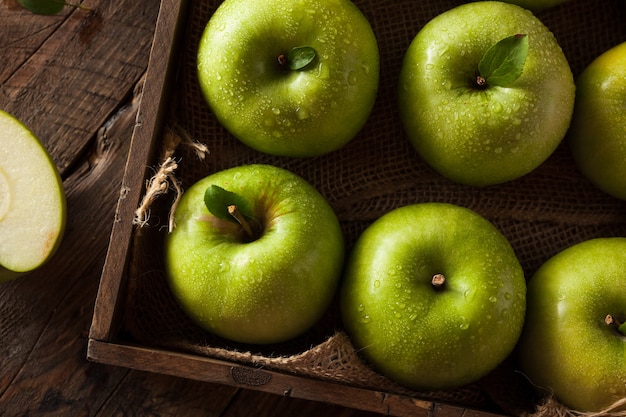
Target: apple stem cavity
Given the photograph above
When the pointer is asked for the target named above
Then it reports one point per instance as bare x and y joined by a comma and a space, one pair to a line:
230, 206
611, 321
297, 58
233, 210
438, 281
503, 63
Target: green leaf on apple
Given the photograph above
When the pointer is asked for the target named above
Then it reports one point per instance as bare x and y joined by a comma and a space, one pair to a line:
298, 58
503, 63
218, 201
44, 7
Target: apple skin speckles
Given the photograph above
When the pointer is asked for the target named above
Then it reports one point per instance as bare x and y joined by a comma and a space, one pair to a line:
484, 136
306, 112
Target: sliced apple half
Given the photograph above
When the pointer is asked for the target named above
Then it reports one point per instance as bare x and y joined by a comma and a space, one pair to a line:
32, 200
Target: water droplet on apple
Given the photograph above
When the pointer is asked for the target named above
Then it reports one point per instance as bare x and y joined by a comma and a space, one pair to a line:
377, 283
464, 326
224, 267
493, 299
352, 78
507, 295
275, 111
366, 319
361, 307
323, 71
391, 272
496, 107
277, 134
504, 313
302, 113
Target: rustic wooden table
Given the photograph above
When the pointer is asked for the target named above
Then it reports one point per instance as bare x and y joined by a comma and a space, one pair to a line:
75, 79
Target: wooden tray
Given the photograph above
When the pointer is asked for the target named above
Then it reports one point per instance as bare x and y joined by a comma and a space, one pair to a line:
109, 340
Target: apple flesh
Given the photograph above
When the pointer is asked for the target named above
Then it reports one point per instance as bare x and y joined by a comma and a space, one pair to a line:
32, 201
567, 347
484, 134
598, 133
259, 288
433, 296
245, 76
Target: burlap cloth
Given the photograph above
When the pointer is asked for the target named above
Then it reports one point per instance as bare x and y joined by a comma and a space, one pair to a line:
541, 214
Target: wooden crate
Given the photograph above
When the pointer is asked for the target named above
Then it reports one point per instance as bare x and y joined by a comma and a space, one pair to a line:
522, 210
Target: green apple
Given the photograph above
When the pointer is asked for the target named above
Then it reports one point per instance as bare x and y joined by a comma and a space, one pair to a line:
32, 201
433, 296
536, 5
572, 344
290, 77
264, 275
597, 136
485, 93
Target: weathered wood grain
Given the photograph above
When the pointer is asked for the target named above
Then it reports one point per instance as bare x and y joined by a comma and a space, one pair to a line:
76, 69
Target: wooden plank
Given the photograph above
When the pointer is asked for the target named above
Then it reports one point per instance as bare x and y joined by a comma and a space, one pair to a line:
23, 33
222, 372
48, 312
80, 73
146, 394
142, 148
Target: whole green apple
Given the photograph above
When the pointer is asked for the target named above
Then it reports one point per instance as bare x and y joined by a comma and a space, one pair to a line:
572, 343
485, 93
597, 136
290, 77
433, 296
268, 273
32, 201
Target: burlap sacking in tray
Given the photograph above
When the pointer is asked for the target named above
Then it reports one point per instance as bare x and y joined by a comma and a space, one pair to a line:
541, 214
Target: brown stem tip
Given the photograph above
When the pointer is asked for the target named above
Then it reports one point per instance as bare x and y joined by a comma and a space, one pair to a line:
438, 280
233, 210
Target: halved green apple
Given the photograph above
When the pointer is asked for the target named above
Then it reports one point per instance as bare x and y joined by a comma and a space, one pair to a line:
32, 201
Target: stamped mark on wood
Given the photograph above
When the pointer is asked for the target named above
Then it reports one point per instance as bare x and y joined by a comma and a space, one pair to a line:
251, 377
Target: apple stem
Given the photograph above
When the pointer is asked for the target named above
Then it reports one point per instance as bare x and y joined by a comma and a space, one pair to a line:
481, 81
233, 210
438, 281
609, 320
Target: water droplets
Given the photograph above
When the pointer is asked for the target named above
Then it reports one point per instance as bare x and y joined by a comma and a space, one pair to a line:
352, 78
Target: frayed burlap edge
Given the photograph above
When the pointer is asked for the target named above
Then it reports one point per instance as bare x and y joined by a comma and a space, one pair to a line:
165, 179
336, 360
551, 407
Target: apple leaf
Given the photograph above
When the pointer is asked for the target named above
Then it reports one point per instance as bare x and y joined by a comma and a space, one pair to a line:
503, 63
218, 201
299, 57
45, 7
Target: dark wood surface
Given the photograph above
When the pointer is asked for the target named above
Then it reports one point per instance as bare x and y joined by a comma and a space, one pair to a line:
75, 80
